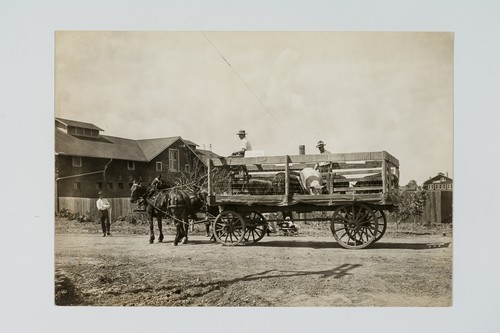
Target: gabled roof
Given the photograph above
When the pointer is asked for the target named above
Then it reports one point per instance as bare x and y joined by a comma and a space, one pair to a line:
153, 147
439, 176
78, 124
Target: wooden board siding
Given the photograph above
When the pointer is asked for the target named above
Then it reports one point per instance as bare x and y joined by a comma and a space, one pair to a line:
438, 207
119, 206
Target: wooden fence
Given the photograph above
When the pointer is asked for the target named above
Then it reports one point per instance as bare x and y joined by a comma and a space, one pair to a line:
438, 207
119, 206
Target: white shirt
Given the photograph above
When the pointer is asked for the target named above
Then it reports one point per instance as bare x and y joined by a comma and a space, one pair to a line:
245, 144
102, 204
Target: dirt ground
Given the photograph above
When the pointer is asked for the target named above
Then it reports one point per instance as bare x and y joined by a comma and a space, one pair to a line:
409, 266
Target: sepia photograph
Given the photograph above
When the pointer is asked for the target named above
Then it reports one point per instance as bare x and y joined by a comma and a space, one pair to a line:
271, 166
253, 169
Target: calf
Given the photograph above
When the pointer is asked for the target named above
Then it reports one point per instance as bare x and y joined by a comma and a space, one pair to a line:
311, 181
260, 187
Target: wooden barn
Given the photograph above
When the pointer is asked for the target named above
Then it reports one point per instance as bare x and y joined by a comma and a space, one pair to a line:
86, 162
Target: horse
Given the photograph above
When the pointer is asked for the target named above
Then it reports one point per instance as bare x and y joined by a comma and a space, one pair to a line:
155, 206
199, 204
179, 208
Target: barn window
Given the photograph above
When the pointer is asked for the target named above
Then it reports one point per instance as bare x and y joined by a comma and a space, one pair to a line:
77, 186
79, 131
120, 186
131, 165
173, 159
98, 185
159, 166
110, 186
77, 161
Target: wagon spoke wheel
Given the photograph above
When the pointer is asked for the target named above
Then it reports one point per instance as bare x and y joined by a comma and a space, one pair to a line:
354, 226
229, 228
256, 227
382, 224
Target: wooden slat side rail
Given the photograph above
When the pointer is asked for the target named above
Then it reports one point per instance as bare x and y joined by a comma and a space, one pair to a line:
365, 156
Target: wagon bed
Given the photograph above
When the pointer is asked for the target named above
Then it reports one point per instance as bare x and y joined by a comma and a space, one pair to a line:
358, 188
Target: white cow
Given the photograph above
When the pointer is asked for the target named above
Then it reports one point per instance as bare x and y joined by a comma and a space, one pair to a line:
311, 181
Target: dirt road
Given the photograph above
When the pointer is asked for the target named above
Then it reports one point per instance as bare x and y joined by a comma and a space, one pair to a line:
125, 270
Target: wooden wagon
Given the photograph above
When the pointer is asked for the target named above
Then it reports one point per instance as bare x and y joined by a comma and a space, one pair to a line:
358, 188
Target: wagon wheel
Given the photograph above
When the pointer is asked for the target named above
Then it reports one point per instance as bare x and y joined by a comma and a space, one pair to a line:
354, 226
382, 224
256, 227
229, 228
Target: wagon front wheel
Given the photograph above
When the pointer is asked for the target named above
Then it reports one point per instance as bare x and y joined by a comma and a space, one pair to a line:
229, 228
354, 226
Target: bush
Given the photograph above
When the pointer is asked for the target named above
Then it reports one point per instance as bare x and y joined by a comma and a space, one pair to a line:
412, 204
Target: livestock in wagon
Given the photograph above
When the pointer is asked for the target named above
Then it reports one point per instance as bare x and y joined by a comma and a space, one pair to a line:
264, 184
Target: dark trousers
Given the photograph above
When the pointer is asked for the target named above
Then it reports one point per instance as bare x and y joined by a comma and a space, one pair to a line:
105, 224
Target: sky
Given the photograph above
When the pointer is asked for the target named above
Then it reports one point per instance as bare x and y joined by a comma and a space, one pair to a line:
356, 91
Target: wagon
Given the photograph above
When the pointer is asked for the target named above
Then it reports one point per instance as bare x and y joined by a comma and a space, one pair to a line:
358, 189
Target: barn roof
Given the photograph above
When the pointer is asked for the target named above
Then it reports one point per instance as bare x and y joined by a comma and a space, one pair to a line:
104, 147
112, 147
75, 123
153, 147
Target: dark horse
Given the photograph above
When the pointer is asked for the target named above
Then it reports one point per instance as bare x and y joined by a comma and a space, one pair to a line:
155, 206
199, 204
179, 208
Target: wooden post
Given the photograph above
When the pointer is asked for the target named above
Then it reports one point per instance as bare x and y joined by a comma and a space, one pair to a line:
209, 180
287, 177
384, 176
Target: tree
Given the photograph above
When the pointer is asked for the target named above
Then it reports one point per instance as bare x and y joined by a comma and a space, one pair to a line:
412, 204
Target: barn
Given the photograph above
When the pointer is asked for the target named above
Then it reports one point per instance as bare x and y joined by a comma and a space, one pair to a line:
87, 161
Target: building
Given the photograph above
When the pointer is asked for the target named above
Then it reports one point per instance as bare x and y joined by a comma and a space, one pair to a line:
86, 162
439, 183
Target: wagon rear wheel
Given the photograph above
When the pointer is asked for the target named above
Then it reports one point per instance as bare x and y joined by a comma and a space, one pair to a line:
354, 226
382, 224
256, 227
229, 228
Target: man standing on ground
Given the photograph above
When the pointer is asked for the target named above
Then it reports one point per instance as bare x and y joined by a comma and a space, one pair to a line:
103, 207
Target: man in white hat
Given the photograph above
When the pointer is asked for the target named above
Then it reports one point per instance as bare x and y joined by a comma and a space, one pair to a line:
244, 144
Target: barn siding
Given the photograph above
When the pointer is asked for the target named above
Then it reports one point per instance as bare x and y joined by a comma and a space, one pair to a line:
119, 206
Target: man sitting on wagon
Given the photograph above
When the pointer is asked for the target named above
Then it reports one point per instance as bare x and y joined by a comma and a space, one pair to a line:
244, 145
322, 166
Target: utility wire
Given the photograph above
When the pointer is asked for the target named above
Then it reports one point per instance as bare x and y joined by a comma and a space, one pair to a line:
249, 89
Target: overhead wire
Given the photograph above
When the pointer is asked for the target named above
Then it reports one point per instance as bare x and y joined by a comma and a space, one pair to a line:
248, 87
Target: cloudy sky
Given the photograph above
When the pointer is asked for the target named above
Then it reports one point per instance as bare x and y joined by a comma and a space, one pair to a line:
355, 91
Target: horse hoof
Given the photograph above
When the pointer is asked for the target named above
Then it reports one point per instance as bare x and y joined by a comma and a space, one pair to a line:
174, 243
